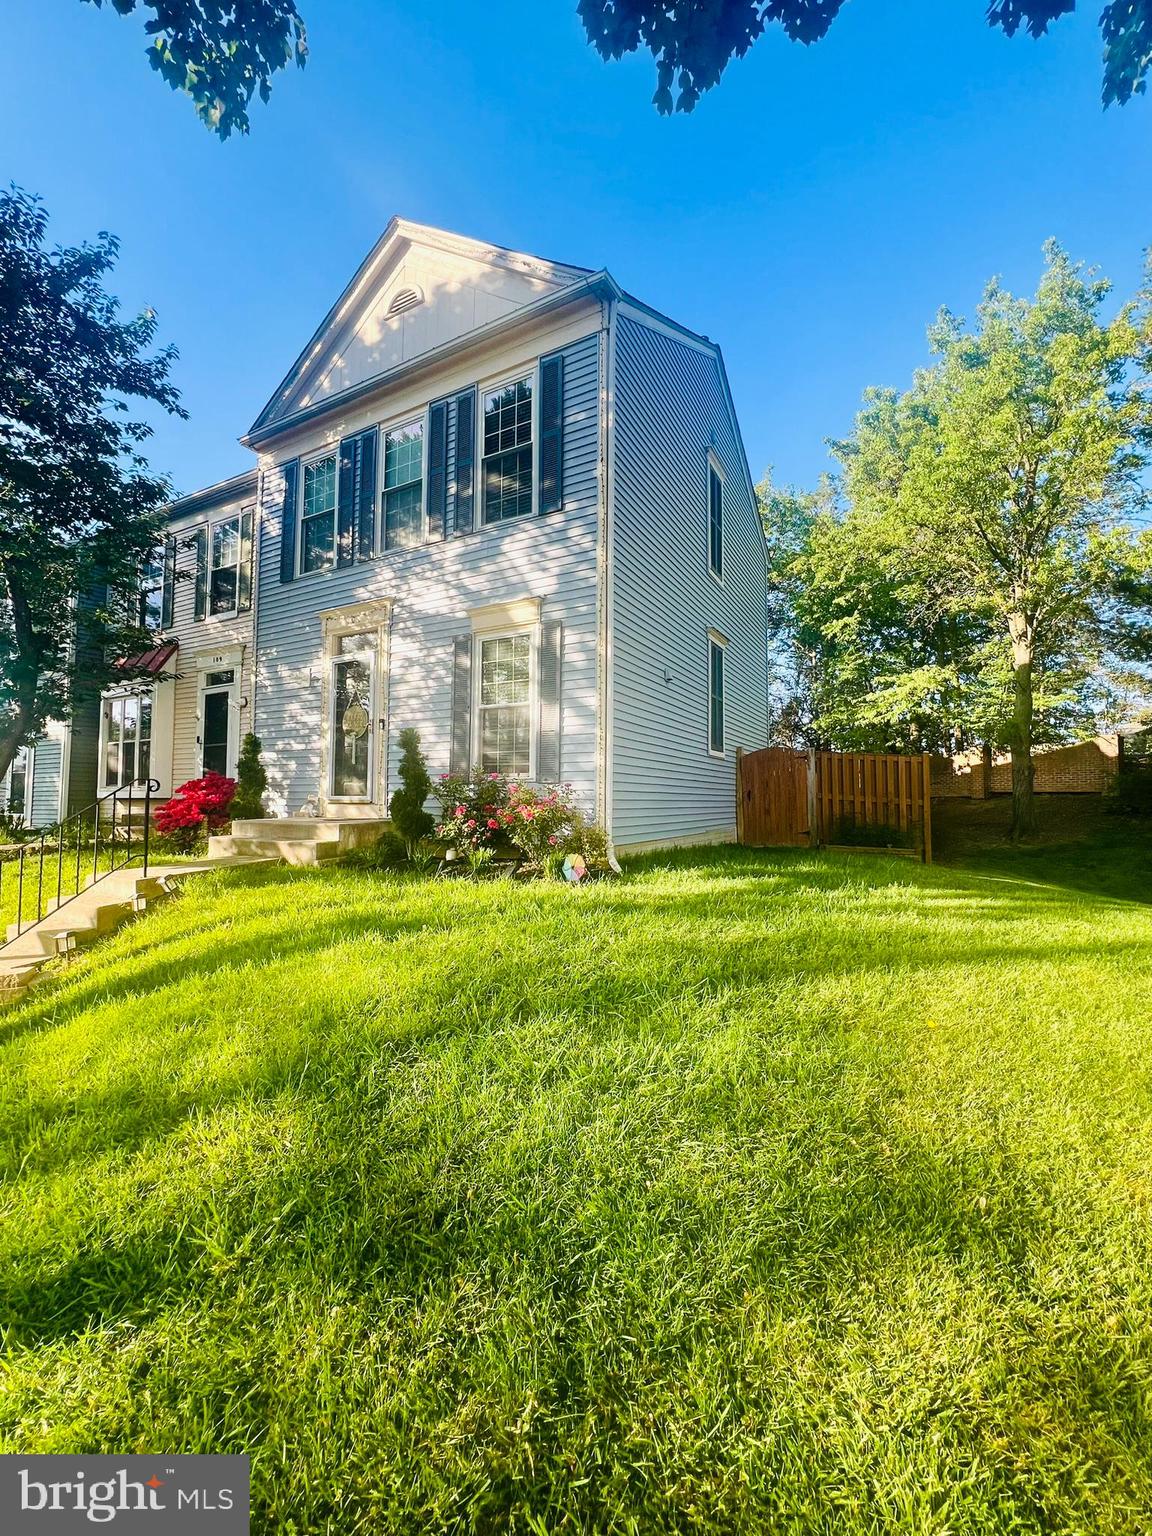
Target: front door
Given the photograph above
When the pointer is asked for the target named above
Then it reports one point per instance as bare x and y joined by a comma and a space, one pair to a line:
352, 724
217, 747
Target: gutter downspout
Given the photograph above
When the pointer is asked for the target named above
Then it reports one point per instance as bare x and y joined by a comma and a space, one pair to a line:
605, 615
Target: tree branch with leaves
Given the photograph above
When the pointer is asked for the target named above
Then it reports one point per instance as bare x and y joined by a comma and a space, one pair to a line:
80, 511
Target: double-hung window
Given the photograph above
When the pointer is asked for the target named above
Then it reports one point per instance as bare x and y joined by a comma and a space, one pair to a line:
127, 733
715, 520
716, 695
404, 486
151, 595
224, 566
505, 704
507, 469
318, 514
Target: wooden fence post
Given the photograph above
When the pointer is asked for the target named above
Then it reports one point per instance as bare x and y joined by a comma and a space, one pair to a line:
927, 839
740, 794
813, 821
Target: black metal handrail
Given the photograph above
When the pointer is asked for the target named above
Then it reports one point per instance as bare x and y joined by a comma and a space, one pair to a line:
70, 841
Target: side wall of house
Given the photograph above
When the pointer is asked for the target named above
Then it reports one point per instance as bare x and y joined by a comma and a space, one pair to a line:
551, 557
670, 411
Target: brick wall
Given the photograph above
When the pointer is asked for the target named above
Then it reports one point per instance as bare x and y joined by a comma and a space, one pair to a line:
1084, 769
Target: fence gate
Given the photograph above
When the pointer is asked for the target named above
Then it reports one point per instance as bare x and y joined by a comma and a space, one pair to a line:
773, 804
800, 799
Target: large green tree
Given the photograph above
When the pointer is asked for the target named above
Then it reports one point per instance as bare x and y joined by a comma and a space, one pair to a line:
222, 52
693, 41
80, 511
999, 495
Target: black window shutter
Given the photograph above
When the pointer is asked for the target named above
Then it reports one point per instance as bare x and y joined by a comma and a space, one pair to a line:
244, 587
548, 749
459, 761
552, 433
366, 500
168, 592
288, 521
465, 459
346, 498
438, 469
200, 545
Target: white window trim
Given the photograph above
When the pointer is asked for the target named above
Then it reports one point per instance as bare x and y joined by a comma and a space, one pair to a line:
110, 696
331, 452
715, 466
719, 642
480, 638
334, 660
488, 387
236, 517
420, 418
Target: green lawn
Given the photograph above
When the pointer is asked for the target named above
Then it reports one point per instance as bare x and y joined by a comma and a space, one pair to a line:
759, 1192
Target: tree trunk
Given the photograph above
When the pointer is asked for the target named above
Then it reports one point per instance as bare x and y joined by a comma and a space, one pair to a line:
26, 669
1023, 798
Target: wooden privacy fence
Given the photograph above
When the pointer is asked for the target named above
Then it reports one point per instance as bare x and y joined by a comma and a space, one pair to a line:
850, 799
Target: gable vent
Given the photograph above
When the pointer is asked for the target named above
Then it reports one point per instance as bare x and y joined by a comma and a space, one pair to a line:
407, 298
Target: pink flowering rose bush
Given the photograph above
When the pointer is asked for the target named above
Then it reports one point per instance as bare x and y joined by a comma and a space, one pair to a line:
541, 823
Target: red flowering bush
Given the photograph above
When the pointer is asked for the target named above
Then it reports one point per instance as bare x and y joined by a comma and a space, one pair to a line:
199, 806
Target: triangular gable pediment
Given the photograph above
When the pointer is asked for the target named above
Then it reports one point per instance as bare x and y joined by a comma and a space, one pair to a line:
419, 289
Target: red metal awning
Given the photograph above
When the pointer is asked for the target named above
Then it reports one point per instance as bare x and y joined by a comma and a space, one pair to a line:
150, 662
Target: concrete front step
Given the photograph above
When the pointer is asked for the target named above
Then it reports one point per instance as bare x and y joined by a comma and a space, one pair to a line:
299, 840
298, 851
98, 909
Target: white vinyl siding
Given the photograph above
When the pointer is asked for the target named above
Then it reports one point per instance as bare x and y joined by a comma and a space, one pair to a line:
672, 421
433, 589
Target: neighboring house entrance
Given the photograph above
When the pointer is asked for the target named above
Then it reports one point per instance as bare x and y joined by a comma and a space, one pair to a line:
219, 713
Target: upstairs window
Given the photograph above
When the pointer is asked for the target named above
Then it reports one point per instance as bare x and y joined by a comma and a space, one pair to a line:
151, 597
716, 695
318, 514
715, 520
505, 704
507, 471
404, 486
224, 566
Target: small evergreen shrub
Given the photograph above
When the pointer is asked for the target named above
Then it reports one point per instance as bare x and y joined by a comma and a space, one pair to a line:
406, 807
251, 781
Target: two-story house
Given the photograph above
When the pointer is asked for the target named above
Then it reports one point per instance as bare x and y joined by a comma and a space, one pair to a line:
498, 499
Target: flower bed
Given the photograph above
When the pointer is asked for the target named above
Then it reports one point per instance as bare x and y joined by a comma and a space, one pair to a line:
486, 818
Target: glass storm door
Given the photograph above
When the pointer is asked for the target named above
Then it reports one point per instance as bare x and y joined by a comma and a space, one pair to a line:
352, 723
214, 736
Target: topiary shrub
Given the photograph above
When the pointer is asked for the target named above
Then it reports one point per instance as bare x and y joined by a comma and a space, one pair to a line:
406, 807
251, 781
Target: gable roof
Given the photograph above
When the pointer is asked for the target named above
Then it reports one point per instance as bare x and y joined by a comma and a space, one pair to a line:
418, 288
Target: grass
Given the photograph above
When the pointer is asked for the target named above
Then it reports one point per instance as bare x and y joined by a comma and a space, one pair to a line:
762, 1192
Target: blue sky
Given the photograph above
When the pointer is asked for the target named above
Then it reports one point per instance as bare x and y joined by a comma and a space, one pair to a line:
811, 214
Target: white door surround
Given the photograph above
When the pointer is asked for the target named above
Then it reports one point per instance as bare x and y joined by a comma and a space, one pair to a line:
354, 710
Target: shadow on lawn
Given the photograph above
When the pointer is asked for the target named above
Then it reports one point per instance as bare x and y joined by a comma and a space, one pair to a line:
668, 947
